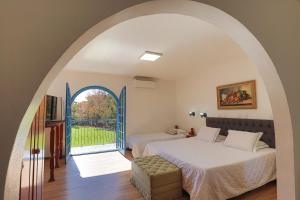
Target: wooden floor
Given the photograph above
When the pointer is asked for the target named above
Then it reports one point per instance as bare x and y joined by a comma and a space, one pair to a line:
69, 185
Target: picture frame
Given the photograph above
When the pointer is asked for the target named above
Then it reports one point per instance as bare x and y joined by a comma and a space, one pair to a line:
240, 95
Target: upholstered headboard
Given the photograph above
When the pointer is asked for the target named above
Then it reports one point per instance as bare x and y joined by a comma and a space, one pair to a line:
250, 125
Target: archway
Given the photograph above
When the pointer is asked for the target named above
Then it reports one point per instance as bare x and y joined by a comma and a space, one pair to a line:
239, 34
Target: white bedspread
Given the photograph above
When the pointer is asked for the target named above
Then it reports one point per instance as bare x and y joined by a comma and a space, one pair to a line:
214, 171
138, 142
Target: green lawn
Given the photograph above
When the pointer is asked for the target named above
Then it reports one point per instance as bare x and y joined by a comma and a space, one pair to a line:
89, 136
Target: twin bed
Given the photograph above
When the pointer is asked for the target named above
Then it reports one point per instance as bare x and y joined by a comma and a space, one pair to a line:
215, 171
137, 143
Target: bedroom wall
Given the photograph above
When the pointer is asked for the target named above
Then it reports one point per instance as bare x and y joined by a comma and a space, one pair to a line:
148, 110
198, 92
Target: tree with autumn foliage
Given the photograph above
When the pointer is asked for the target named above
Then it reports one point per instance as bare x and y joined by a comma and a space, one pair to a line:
98, 105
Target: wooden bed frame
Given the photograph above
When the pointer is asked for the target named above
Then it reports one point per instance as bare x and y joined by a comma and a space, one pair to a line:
250, 125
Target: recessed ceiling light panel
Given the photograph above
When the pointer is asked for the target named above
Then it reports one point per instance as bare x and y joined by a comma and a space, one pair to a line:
150, 56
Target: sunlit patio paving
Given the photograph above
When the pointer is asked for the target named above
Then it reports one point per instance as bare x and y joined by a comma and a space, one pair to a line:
93, 149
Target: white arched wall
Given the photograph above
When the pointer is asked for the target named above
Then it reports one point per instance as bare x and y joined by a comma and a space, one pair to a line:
236, 31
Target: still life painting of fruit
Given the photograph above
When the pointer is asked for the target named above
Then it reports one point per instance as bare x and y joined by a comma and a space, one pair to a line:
237, 96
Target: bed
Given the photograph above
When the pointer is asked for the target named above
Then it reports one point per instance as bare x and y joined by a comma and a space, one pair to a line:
137, 143
215, 171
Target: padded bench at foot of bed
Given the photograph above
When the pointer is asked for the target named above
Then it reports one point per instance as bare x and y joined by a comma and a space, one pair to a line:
156, 178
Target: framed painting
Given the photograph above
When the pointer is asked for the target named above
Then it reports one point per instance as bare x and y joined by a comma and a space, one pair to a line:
237, 96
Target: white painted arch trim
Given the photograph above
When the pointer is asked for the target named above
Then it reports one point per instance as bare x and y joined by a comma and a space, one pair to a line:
230, 26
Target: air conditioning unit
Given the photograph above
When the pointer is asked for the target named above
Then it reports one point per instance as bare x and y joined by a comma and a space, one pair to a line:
144, 82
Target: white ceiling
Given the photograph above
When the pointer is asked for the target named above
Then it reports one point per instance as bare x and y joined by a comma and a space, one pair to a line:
187, 44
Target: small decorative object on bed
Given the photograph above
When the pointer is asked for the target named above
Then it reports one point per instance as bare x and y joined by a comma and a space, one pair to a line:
191, 133
237, 96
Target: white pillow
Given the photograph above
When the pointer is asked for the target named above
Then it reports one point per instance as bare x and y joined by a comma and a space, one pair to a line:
220, 138
172, 131
261, 145
208, 134
181, 131
242, 140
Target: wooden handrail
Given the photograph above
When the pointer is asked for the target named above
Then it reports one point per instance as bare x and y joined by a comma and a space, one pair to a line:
56, 145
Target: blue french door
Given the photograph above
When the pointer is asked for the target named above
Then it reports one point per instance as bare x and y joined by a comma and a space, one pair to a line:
121, 122
68, 123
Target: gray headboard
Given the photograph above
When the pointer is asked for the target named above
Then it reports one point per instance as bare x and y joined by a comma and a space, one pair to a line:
250, 125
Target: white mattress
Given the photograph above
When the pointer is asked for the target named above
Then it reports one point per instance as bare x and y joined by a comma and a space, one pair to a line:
138, 142
214, 171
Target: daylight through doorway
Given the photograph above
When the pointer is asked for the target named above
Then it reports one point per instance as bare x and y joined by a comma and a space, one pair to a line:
94, 122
